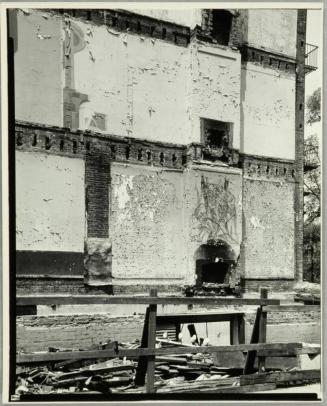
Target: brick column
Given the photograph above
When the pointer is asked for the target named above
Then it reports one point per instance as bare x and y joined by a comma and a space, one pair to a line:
97, 259
299, 141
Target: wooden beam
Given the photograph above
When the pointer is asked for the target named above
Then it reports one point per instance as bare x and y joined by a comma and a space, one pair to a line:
311, 375
151, 344
262, 331
23, 300
196, 317
143, 361
137, 352
251, 355
291, 308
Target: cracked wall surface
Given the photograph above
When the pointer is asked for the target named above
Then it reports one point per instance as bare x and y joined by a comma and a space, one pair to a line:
50, 206
260, 29
267, 112
268, 229
38, 67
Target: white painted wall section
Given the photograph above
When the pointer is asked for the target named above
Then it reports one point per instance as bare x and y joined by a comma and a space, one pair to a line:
50, 203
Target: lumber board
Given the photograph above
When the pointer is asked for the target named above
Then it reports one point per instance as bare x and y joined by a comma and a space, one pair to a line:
280, 377
142, 361
183, 318
137, 352
151, 344
225, 389
23, 300
251, 355
291, 308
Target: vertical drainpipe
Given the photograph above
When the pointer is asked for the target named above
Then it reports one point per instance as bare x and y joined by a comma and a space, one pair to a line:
299, 141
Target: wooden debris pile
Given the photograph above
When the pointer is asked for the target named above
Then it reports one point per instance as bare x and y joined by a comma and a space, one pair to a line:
174, 373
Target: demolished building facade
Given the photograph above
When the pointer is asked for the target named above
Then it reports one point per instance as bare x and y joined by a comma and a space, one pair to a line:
158, 148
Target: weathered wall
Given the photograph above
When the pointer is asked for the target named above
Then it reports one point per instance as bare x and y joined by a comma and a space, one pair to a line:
268, 229
188, 17
146, 224
267, 112
50, 203
213, 208
38, 67
273, 29
215, 88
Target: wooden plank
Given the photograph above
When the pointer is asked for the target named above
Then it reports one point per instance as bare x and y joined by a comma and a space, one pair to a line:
143, 361
241, 329
291, 308
23, 300
310, 375
137, 352
225, 389
196, 317
250, 358
262, 333
151, 345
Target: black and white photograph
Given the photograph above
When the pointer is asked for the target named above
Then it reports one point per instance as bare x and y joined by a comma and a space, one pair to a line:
162, 202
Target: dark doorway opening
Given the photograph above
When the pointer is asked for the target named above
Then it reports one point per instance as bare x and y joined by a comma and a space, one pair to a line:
221, 26
213, 262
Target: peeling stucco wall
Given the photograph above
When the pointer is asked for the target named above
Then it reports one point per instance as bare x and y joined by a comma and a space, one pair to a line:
267, 112
188, 17
146, 221
50, 203
271, 29
221, 220
268, 229
38, 67
215, 88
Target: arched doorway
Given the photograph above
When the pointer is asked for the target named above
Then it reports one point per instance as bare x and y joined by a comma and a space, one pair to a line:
213, 261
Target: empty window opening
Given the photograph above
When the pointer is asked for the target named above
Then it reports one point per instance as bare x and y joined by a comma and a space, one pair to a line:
88, 15
221, 26
162, 158
216, 136
113, 151
62, 144
139, 28
164, 33
268, 170
87, 146
34, 142
212, 262
174, 159
19, 140
285, 171
293, 173
139, 155
148, 155
276, 171
114, 21
74, 147
270, 61
127, 24
127, 152
47, 143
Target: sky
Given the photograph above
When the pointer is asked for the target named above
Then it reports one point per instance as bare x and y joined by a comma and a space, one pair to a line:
313, 80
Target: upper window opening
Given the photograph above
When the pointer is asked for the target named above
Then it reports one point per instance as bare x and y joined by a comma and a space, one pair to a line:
216, 136
221, 26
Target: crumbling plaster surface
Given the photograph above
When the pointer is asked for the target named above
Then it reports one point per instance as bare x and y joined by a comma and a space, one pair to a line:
148, 88
215, 88
268, 229
50, 208
218, 216
267, 112
188, 17
146, 223
272, 29
38, 68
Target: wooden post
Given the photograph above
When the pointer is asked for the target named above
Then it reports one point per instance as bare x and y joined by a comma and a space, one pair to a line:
258, 334
241, 329
142, 363
151, 344
262, 330
234, 330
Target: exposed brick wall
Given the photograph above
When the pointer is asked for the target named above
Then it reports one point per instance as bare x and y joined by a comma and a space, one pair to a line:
97, 180
299, 140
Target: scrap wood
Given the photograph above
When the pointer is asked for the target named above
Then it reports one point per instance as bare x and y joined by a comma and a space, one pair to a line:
282, 377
